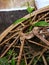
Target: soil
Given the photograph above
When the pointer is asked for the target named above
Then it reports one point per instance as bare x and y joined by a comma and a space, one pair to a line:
7, 18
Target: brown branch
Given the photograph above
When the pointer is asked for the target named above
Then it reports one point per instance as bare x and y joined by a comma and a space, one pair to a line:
8, 39
9, 47
43, 17
3, 35
40, 55
25, 58
21, 49
45, 62
39, 44
40, 37
33, 58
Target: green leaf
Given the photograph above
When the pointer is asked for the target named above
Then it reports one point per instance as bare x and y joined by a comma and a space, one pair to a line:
41, 23
10, 52
30, 28
12, 61
19, 20
4, 61
22, 62
30, 9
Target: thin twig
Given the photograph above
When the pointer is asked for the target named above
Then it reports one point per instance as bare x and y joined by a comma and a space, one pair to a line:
21, 50
9, 47
25, 58
45, 62
33, 58
40, 37
43, 17
8, 39
40, 55
38, 44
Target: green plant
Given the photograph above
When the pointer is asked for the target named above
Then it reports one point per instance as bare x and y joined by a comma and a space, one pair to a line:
4, 61
13, 61
19, 20
22, 62
41, 23
10, 52
30, 10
